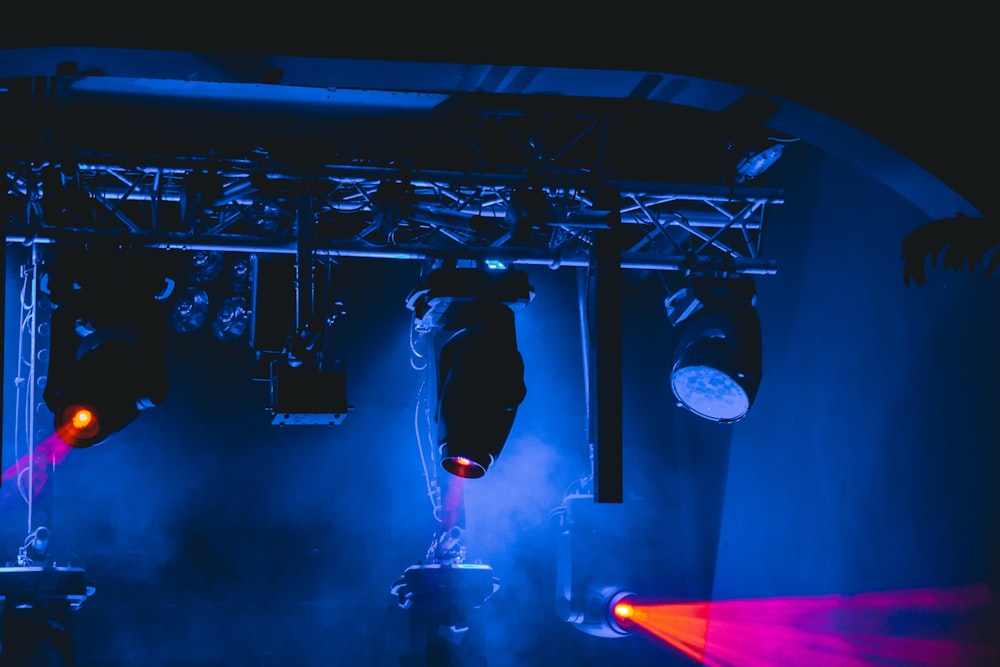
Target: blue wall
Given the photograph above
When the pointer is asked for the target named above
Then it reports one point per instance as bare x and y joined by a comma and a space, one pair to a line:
869, 460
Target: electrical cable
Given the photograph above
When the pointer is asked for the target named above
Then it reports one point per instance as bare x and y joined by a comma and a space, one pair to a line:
26, 322
433, 492
414, 351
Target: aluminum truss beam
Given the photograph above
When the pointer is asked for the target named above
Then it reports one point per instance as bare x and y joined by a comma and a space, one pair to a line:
385, 213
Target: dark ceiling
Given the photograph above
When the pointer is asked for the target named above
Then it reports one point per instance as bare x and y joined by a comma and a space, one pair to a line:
916, 80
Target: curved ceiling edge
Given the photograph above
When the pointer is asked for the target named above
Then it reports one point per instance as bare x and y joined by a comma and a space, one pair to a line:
916, 183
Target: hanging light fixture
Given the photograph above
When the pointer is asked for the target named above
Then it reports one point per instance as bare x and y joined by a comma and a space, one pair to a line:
189, 310
478, 370
107, 361
717, 355
204, 265
232, 318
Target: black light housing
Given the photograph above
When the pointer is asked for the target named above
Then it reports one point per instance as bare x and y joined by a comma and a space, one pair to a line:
107, 360
479, 371
189, 309
717, 356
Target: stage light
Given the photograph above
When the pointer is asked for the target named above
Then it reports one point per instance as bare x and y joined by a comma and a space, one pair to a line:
264, 219
479, 372
190, 310
604, 611
308, 393
239, 275
623, 611
933, 627
392, 202
232, 319
463, 467
717, 355
82, 418
446, 622
103, 395
107, 360
755, 164
77, 424
204, 265
528, 209
481, 377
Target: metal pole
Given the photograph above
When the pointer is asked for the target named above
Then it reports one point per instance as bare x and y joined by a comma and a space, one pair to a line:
304, 264
606, 371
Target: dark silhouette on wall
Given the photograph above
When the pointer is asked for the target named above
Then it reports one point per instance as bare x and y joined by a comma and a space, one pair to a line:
961, 242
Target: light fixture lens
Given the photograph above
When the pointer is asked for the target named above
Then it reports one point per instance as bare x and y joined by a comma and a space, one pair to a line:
78, 426
462, 466
190, 310
710, 392
623, 610
239, 275
204, 265
232, 319
82, 418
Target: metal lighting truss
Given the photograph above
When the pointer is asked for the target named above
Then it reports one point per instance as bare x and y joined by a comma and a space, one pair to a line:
519, 179
446, 215
409, 161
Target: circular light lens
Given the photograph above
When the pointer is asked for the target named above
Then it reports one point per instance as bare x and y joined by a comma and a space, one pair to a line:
77, 426
204, 265
623, 610
81, 418
190, 310
462, 466
232, 319
710, 393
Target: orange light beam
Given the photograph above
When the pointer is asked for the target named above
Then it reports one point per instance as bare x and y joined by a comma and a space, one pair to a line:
931, 627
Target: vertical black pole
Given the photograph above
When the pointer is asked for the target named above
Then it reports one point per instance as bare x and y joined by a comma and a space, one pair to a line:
3, 303
606, 371
304, 263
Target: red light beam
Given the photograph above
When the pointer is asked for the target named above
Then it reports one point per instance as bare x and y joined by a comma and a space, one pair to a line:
925, 627
47, 454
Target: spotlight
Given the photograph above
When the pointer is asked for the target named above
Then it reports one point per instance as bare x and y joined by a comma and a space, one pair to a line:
446, 625
607, 612
623, 611
232, 319
527, 210
392, 203
35, 551
717, 356
190, 310
479, 371
103, 395
204, 265
755, 163
264, 219
107, 360
311, 392
239, 275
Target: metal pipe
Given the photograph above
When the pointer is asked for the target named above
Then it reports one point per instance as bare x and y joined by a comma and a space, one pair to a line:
304, 302
606, 417
583, 299
526, 256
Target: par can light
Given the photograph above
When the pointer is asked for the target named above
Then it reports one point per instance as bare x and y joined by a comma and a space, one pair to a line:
717, 354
